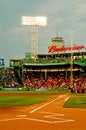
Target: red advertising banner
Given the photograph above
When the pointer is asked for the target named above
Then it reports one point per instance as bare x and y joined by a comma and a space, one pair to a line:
52, 49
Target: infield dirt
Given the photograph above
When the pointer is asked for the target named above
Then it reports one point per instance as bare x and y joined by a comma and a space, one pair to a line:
47, 115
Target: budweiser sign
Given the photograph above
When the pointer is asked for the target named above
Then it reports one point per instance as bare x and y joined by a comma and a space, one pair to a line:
52, 49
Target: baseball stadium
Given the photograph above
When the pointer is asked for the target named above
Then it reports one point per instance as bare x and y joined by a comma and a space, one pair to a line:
44, 91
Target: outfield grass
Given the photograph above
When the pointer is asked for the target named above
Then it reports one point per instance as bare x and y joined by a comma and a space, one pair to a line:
76, 102
21, 100
26, 98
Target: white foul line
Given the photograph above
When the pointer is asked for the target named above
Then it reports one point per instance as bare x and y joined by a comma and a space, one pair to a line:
10, 119
66, 99
46, 104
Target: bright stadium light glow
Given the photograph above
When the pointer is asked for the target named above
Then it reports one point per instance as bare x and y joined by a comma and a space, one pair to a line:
40, 20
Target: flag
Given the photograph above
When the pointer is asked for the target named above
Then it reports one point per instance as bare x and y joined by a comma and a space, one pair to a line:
1, 62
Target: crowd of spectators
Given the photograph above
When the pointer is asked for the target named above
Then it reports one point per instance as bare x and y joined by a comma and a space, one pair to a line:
8, 78
79, 84
34, 80
55, 81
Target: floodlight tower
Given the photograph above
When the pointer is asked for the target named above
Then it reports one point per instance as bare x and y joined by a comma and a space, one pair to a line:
34, 22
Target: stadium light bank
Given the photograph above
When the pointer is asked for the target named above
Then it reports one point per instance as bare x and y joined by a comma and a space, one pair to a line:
34, 22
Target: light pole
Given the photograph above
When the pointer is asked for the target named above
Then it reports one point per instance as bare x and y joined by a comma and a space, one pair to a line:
34, 22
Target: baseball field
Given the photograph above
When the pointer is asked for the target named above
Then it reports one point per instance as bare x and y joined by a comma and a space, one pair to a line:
45, 110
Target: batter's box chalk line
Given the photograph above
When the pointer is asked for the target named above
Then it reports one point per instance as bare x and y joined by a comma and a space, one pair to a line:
47, 118
57, 117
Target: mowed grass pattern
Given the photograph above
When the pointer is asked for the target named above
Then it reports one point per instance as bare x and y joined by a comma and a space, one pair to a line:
21, 100
76, 102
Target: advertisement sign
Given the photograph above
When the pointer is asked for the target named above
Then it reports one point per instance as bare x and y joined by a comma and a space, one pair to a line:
1, 62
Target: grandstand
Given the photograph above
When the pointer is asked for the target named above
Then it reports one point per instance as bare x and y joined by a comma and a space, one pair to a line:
52, 70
